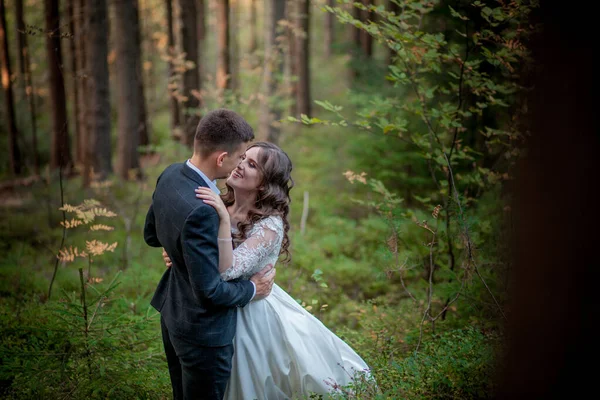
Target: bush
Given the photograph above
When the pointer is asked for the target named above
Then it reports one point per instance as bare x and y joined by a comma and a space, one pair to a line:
81, 349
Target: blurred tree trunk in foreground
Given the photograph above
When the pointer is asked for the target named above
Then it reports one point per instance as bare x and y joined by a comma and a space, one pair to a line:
550, 325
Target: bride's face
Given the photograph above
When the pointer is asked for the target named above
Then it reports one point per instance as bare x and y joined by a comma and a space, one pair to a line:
247, 176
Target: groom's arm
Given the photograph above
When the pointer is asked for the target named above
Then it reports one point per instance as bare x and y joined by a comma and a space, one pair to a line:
201, 257
150, 229
150, 235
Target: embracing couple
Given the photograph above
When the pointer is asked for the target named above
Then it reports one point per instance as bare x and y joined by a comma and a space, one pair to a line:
228, 330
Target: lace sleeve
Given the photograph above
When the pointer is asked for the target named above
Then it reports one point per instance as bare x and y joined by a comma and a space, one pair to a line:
263, 242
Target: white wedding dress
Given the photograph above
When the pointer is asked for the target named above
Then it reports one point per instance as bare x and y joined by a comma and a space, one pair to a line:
281, 350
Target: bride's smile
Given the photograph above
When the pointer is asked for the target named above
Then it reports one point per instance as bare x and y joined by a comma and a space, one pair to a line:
247, 175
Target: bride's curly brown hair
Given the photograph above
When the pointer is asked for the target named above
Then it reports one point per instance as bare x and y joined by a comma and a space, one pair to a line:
273, 196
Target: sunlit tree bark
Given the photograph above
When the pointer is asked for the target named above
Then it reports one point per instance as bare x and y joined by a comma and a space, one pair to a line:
15, 155
253, 29
223, 78
234, 44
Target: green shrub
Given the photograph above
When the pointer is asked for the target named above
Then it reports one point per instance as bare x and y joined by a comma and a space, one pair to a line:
81, 349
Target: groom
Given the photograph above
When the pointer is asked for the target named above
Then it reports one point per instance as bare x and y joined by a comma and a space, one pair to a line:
198, 308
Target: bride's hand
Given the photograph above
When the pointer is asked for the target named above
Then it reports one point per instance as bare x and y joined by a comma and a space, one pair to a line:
168, 261
213, 199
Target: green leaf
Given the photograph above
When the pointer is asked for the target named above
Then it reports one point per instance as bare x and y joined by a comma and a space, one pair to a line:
456, 14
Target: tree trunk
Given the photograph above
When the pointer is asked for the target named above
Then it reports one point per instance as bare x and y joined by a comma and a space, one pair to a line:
253, 30
357, 55
223, 78
191, 77
201, 23
173, 102
234, 48
98, 146
25, 68
303, 46
143, 128
393, 7
366, 39
329, 30
73, 65
128, 84
270, 113
60, 153
292, 54
79, 11
15, 155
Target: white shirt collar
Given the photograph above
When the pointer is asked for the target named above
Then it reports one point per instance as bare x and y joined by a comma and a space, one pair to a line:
211, 184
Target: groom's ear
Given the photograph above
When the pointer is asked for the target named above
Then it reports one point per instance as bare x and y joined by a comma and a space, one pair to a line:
221, 158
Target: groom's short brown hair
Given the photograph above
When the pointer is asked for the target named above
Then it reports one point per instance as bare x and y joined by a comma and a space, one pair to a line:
221, 129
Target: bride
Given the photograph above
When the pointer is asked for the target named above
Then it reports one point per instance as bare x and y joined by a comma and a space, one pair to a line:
281, 350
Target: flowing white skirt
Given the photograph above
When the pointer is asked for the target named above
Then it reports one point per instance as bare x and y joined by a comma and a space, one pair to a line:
284, 352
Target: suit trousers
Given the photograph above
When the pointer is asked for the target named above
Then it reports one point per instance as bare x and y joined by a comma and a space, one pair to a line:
197, 372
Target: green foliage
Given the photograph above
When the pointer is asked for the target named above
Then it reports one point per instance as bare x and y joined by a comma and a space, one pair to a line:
81, 347
459, 364
447, 135
404, 252
454, 90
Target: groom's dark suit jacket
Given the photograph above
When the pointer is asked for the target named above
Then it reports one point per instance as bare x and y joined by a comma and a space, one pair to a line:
195, 303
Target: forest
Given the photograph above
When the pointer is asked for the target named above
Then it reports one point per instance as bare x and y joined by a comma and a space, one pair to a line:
440, 211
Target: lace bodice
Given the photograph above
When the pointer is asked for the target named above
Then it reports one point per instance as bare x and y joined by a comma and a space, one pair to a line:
260, 248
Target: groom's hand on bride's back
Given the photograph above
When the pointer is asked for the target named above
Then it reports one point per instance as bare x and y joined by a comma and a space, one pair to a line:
263, 280
168, 262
